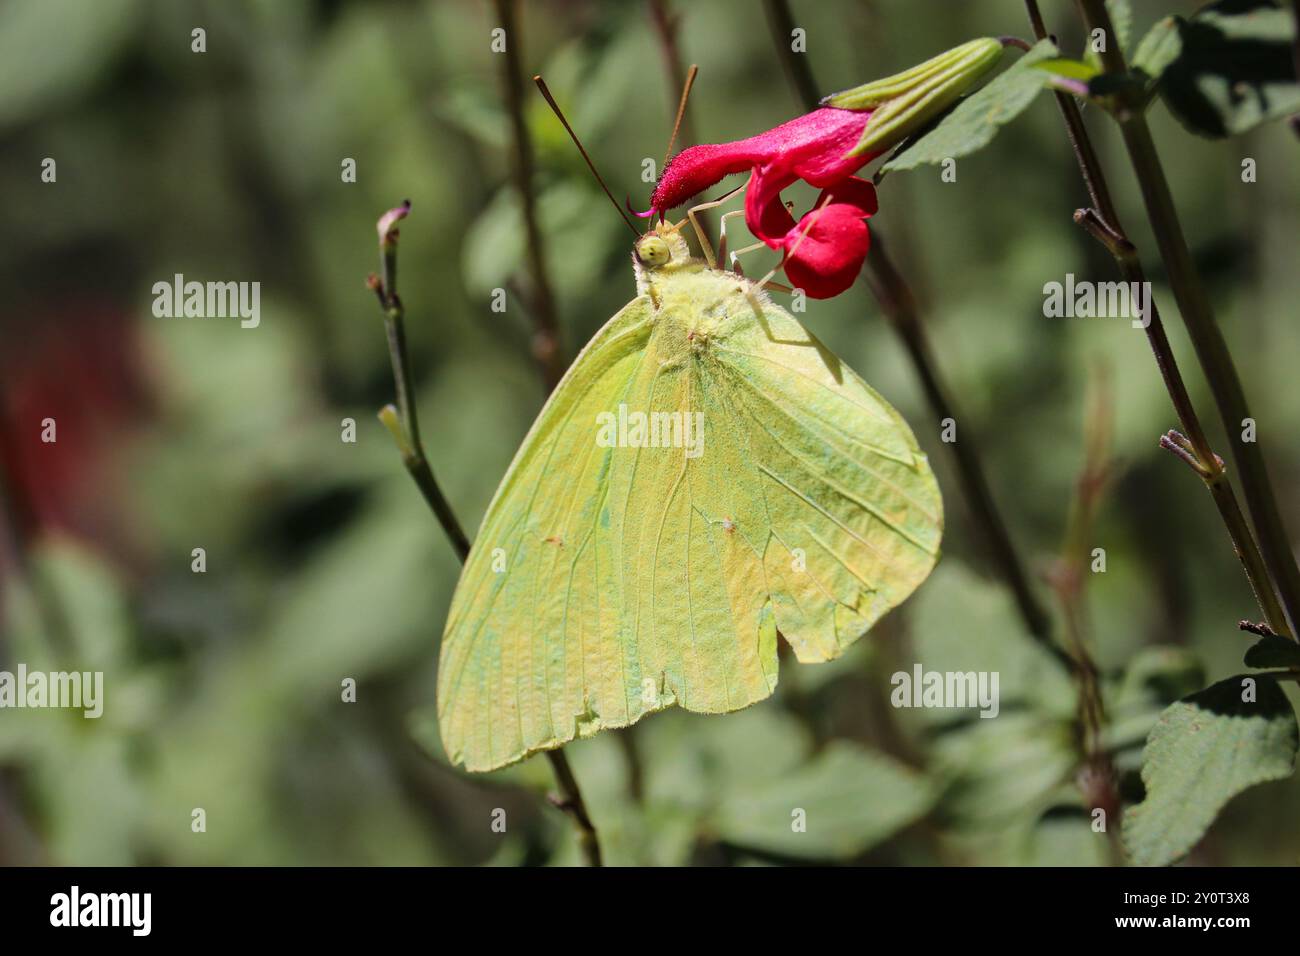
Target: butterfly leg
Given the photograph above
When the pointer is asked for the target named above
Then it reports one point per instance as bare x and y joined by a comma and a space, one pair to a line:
722, 235
705, 246
768, 284
735, 256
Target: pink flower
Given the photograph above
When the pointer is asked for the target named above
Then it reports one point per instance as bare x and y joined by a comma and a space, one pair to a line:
824, 250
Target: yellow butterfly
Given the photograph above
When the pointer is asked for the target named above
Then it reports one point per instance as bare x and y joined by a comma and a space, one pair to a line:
706, 477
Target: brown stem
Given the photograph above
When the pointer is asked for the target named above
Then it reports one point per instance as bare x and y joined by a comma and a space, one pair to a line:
571, 803
1103, 224
402, 420
898, 303
797, 71
1211, 350
546, 340
1098, 778
666, 23
1196, 450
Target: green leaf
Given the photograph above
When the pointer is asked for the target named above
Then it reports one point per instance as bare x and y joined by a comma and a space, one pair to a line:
1121, 15
1161, 46
1160, 676
1154, 678
851, 799
1205, 750
1028, 677
1274, 651
475, 110
1063, 839
1235, 68
1000, 772
975, 121
1070, 69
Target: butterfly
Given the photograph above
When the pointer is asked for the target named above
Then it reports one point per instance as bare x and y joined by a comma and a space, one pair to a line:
706, 478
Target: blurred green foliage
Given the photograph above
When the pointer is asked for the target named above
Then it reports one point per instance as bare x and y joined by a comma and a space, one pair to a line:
223, 689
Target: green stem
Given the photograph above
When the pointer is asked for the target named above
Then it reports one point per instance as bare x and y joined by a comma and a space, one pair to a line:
1207, 338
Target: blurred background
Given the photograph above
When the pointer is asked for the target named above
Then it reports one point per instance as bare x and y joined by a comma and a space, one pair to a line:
223, 688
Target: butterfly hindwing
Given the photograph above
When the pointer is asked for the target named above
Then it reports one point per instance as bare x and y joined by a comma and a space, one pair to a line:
854, 510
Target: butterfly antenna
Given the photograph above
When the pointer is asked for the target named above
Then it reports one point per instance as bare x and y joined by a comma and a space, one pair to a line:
681, 112
555, 108
812, 221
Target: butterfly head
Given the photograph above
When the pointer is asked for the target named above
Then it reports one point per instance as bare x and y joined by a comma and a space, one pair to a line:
662, 249
663, 246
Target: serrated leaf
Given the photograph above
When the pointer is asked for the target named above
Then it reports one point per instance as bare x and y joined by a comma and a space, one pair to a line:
851, 798
1235, 68
1204, 750
976, 119
1160, 47
1274, 651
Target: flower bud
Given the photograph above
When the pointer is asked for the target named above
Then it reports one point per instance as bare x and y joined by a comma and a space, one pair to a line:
904, 103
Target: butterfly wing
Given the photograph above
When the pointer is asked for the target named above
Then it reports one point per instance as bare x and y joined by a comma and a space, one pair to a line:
531, 653
849, 516
610, 582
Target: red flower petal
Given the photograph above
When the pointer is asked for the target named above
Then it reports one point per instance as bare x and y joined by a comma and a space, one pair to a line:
765, 214
811, 147
825, 252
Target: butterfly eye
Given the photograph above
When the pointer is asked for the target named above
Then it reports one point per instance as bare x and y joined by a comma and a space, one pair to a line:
652, 251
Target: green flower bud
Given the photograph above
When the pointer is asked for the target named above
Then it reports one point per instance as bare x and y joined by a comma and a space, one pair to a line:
902, 104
